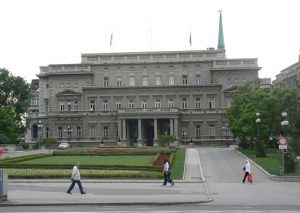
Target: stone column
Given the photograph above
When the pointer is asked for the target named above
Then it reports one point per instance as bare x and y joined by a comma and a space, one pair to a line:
171, 127
139, 140
124, 129
155, 129
119, 131
176, 128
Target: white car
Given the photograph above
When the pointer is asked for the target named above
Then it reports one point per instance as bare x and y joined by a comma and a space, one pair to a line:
64, 146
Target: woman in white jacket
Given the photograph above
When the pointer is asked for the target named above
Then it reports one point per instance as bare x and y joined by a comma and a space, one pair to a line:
247, 169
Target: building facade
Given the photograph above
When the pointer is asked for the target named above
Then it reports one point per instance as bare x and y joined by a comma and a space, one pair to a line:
290, 76
132, 98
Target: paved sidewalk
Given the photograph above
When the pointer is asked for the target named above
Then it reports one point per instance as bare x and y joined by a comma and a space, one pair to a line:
113, 192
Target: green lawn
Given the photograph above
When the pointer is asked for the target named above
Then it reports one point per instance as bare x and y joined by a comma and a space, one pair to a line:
138, 167
144, 160
271, 163
178, 164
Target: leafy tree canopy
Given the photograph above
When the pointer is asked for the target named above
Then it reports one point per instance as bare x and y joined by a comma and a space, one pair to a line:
249, 99
15, 96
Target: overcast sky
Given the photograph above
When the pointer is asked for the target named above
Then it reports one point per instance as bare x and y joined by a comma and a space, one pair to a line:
36, 33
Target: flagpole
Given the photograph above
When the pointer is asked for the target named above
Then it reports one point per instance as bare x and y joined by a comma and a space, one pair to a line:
111, 42
190, 39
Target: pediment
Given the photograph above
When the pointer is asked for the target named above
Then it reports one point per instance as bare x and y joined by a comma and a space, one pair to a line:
68, 93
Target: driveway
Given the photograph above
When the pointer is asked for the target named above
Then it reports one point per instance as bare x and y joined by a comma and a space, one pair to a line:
222, 168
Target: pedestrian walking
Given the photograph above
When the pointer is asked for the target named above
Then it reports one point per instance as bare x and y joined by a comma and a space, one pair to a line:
75, 177
167, 173
247, 170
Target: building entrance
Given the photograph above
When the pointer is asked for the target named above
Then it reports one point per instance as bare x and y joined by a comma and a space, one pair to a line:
148, 132
132, 132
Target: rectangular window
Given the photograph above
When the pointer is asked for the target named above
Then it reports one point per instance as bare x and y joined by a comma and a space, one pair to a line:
105, 131
92, 132
69, 131
157, 103
34, 101
211, 103
184, 79
171, 80
105, 105
158, 81
119, 81
184, 103
78, 132
144, 104
62, 106
69, 106
46, 106
171, 103
92, 105
60, 132
145, 80
211, 130
198, 103
118, 104
106, 81
198, 130
228, 101
130, 104
198, 79
131, 81
76, 106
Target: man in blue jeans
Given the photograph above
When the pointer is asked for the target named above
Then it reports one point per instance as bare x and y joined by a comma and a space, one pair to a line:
75, 177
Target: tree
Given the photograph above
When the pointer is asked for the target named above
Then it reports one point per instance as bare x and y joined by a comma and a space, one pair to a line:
49, 143
249, 99
14, 100
8, 126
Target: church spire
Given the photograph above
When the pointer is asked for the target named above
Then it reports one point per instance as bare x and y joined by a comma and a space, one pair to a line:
221, 44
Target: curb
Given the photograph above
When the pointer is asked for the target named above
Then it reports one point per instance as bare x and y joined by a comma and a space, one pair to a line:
103, 204
96, 181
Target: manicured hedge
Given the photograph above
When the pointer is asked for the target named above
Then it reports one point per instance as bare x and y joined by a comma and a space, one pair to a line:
22, 158
113, 151
66, 173
68, 166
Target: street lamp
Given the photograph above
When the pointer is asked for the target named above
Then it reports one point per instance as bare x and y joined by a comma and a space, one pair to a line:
283, 143
40, 130
226, 133
284, 123
69, 131
257, 125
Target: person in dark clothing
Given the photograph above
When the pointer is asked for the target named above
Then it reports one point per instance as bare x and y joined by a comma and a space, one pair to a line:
167, 174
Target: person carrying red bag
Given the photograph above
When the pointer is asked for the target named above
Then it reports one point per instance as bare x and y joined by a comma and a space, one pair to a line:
247, 169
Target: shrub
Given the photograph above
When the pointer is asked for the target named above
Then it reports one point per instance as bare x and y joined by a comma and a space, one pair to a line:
259, 149
101, 151
290, 162
164, 140
24, 145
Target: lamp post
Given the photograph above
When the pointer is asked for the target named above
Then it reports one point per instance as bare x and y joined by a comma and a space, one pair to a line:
257, 125
226, 133
40, 130
68, 131
284, 124
283, 143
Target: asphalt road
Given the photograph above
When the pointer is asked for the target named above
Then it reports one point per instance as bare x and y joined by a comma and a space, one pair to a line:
222, 168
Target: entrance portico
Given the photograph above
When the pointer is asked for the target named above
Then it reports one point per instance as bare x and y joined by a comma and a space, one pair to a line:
145, 131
